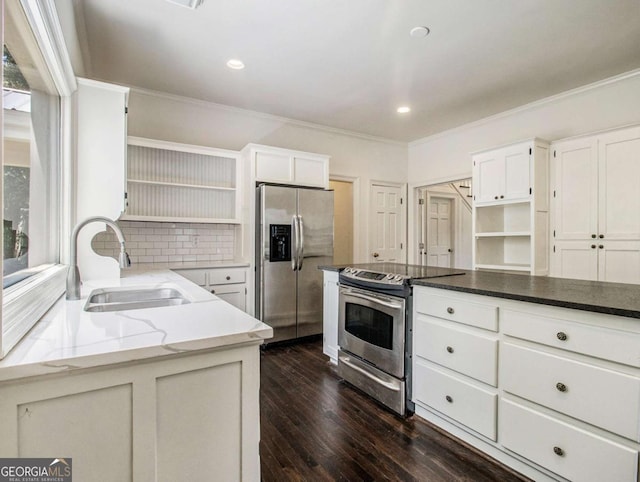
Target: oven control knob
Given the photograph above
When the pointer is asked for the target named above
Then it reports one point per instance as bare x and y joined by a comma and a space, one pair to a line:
389, 276
398, 277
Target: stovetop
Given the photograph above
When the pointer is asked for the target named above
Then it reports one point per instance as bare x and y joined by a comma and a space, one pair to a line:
392, 274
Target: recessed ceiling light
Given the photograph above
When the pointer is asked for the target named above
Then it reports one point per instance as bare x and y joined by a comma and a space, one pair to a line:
193, 4
235, 64
419, 32
403, 110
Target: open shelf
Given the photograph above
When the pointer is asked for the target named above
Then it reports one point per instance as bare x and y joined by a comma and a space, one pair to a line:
506, 218
180, 183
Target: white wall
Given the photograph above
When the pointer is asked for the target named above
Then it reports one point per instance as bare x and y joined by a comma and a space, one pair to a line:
603, 105
159, 116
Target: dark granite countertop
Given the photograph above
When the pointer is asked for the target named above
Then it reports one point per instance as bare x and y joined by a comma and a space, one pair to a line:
596, 296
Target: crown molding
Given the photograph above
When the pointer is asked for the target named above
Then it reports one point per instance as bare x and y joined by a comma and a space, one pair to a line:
530, 106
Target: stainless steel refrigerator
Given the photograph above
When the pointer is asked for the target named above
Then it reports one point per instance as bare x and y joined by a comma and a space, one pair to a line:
294, 235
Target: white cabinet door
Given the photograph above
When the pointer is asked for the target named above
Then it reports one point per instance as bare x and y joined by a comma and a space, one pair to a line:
273, 167
330, 315
234, 294
575, 189
488, 182
619, 178
517, 177
575, 260
311, 171
619, 261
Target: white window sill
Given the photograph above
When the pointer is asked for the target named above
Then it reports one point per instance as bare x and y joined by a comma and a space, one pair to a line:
26, 302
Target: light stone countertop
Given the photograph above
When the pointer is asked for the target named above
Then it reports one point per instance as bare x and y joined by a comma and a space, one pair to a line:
68, 338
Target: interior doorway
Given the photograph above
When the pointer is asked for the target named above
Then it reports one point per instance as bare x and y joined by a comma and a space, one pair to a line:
443, 233
342, 221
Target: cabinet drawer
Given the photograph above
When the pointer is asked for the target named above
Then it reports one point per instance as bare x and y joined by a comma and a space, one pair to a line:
581, 455
462, 401
614, 345
223, 276
458, 349
482, 315
196, 276
602, 397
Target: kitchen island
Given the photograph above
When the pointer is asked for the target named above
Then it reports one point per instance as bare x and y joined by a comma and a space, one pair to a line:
165, 393
543, 374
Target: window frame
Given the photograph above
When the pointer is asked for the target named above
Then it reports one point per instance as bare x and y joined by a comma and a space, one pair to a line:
24, 303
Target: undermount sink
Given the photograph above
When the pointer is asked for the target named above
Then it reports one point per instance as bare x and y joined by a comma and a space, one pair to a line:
122, 299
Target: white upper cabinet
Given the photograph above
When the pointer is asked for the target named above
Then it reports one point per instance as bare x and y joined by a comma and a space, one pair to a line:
503, 174
596, 207
511, 208
284, 166
174, 182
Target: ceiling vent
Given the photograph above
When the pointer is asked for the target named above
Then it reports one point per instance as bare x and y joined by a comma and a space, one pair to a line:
192, 4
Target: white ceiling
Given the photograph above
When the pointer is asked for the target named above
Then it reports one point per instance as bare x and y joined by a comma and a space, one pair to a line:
350, 63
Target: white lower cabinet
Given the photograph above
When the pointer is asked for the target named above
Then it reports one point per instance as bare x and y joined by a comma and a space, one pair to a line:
567, 381
468, 404
177, 417
563, 448
227, 283
330, 294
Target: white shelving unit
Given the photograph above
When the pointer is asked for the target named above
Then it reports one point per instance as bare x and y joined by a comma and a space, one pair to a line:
174, 182
511, 229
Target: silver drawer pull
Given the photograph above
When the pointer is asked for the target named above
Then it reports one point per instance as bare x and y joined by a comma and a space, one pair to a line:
561, 387
450, 349
562, 336
558, 451
450, 310
448, 399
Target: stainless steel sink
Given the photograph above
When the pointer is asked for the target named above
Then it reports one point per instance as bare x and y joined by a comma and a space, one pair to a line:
122, 299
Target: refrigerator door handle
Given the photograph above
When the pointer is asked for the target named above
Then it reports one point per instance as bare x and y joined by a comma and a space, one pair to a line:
301, 253
296, 237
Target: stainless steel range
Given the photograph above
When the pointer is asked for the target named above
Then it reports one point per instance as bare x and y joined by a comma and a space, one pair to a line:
374, 330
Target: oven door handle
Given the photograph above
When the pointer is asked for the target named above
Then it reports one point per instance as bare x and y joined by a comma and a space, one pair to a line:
384, 383
373, 299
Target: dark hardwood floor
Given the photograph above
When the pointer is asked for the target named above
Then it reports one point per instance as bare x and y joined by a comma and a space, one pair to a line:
315, 427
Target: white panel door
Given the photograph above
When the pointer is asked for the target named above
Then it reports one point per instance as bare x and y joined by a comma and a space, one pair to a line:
517, 172
619, 178
575, 185
619, 261
575, 259
488, 182
439, 232
387, 227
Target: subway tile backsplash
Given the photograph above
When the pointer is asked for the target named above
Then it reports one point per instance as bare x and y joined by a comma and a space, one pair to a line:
150, 242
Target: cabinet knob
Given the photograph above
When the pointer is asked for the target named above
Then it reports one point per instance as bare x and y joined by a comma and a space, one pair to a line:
561, 387
495, 197
501, 196
593, 236
228, 278
213, 292
562, 336
450, 349
375, 255
448, 399
450, 310
593, 246
601, 246
558, 451
601, 236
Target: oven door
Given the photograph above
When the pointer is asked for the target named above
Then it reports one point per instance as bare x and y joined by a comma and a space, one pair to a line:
371, 326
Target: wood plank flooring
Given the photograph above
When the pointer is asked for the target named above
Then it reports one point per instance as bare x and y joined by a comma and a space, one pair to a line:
316, 427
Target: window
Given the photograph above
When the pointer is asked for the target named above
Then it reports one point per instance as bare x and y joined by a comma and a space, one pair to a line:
31, 164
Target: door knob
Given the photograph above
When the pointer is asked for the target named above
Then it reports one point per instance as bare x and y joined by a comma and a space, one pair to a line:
375, 255
450, 250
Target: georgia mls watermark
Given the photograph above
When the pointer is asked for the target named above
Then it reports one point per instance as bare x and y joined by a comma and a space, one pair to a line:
35, 470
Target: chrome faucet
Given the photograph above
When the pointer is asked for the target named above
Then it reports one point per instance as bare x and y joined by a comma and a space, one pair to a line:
73, 277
